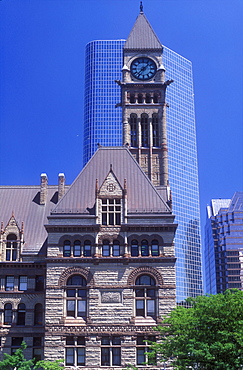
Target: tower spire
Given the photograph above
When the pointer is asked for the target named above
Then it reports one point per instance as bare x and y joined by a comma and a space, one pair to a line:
141, 7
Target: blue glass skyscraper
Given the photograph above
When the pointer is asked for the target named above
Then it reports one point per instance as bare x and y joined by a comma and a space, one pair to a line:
101, 96
102, 120
183, 173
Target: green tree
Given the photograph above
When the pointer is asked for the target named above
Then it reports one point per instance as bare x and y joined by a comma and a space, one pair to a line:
208, 335
49, 365
17, 360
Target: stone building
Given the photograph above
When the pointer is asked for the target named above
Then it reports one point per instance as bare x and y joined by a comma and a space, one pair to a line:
88, 270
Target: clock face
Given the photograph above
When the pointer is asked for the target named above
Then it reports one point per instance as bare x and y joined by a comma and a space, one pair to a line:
143, 68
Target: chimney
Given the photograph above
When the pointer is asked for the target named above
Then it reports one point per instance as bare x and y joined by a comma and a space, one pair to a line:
61, 185
43, 188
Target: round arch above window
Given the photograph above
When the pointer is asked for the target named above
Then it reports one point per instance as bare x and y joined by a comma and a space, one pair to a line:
111, 238
69, 272
74, 238
150, 238
150, 271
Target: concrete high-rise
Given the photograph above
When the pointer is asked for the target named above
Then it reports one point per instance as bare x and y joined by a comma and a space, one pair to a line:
103, 125
223, 244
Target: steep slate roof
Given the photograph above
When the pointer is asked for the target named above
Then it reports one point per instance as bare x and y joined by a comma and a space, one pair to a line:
141, 194
142, 36
23, 202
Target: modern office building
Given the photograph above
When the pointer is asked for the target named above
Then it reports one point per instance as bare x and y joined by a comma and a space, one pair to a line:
223, 244
182, 147
102, 119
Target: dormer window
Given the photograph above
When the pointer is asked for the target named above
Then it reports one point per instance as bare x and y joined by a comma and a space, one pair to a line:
111, 211
11, 248
110, 196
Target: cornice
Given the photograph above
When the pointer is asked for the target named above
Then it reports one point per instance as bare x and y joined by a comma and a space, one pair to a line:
99, 329
123, 260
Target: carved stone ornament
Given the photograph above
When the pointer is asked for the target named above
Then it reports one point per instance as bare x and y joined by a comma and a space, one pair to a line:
111, 297
110, 186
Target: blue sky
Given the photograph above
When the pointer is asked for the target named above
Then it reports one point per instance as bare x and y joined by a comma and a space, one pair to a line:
42, 82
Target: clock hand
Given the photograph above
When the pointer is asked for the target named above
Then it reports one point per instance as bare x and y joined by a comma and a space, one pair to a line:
142, 69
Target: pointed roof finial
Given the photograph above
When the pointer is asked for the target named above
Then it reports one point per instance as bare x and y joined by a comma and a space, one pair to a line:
141, 7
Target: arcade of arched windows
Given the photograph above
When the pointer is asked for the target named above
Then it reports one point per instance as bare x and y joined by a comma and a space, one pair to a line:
19, 315
143, 98
137, 246
144, 131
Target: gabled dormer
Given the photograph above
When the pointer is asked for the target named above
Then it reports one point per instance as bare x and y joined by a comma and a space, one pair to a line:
110, 201
11, 240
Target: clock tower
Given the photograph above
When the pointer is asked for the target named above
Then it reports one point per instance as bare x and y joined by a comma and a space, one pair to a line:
143, 103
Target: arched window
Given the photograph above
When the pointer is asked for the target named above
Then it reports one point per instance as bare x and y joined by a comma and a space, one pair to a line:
133, 130
116, 248
106, 248
156, 98
144, 248
8, 314
87, 248
21, 314
134, 248
140, 98
132, 98
76, 297
144, 130
77, 248
145, 296
66, 248
155, 124
148, 98
38, 314
155, 248
11, 248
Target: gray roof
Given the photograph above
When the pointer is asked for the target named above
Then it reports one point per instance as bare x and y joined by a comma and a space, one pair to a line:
142, 36
141, 194
23, 203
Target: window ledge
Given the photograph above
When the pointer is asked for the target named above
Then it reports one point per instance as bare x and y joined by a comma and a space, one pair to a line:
72, 321
140, 320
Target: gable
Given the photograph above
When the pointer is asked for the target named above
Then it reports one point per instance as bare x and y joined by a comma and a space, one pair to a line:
110, 186
141, 194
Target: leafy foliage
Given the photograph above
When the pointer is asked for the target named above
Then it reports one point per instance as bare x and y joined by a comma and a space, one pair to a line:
207, 335
49, 365
16, 361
